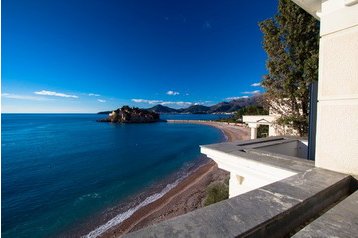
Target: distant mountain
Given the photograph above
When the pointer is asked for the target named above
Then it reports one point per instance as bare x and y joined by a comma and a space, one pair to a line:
222, 107
236, 104
104, 112
162, 109
195, 109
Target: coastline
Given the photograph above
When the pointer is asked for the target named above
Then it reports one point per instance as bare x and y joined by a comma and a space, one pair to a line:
188, 195
232, 131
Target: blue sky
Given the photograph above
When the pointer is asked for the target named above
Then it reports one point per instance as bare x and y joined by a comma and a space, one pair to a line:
92, 55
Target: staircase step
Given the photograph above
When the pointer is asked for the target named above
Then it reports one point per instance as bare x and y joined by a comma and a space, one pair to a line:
339, 221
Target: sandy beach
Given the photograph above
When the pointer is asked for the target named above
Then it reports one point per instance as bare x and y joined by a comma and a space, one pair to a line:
188, 195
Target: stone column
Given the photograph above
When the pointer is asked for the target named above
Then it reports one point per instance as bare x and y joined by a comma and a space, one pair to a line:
253, 127
272, 130
337, 107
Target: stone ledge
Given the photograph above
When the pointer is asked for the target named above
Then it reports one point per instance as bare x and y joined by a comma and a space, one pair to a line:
252, 151
271, 211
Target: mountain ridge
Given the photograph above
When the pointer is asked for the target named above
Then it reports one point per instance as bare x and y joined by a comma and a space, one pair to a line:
221, 107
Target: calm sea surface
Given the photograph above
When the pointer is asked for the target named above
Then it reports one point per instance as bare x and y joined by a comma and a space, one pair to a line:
60, 170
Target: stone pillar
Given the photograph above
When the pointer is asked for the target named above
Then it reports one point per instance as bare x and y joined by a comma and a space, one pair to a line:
337, 107
272, 130
253, 127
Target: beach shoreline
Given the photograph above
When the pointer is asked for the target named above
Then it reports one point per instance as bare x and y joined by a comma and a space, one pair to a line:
188, 195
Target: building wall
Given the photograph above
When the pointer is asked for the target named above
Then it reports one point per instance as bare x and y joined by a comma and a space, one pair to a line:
337, 109
280, 130
276, 110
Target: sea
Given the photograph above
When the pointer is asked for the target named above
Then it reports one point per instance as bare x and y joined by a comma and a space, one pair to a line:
66, 175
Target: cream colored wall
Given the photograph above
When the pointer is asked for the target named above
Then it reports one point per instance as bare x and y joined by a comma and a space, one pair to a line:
276, 110
337, 109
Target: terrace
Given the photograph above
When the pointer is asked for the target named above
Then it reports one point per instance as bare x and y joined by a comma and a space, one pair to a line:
276, 189
273, 192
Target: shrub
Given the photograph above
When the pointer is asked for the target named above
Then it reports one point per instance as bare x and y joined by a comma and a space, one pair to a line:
216, 192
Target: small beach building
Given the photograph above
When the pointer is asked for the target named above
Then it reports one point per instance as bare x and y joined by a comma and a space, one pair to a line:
255, 121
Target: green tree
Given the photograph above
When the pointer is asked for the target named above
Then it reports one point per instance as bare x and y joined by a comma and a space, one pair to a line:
250, 110
291, 40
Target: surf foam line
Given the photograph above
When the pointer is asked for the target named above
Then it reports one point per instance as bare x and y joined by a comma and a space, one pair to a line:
125, 215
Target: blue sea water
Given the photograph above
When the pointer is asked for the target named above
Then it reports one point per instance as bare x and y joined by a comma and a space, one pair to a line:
61, 170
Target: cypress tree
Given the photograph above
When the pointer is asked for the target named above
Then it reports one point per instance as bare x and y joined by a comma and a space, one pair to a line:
290, 40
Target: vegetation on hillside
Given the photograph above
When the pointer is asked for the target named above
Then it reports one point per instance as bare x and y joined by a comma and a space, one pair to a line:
251, 110
291, 40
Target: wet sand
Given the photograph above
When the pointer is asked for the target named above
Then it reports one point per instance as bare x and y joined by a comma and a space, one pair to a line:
188, 195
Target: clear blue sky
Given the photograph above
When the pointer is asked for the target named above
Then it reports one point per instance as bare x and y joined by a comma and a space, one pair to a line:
92, 55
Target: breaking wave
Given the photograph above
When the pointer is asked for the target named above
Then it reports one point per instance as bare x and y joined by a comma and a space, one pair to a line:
125, 215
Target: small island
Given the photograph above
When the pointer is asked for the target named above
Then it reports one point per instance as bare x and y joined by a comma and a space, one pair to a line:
128, 114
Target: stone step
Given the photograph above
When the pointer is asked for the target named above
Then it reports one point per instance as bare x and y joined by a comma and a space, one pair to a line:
339, 221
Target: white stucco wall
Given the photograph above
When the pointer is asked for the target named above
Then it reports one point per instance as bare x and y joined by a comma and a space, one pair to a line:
245, 174
337, 109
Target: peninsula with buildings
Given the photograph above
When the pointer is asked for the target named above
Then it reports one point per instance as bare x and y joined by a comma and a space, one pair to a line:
128, 114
